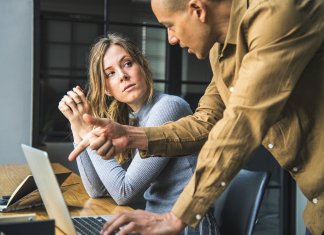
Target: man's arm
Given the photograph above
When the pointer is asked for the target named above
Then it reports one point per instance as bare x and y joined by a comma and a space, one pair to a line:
182, 137
188, 134
109, 138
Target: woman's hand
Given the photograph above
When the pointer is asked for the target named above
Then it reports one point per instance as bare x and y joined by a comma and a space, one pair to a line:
73, 106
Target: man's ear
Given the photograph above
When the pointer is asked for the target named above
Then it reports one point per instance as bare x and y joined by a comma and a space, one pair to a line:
197, 8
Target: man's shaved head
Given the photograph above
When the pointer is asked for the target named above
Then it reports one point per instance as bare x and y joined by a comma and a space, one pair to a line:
172, 5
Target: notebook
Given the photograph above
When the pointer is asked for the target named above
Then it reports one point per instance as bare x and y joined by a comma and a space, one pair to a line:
26, 194
52, 197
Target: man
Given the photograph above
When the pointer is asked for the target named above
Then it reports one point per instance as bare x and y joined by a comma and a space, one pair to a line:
267, 58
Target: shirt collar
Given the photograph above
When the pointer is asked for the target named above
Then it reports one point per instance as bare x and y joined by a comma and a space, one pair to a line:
238, 10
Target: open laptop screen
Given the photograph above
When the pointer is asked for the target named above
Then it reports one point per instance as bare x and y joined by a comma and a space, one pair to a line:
48, 187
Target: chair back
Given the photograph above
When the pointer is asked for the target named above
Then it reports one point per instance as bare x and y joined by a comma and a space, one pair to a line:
237, 208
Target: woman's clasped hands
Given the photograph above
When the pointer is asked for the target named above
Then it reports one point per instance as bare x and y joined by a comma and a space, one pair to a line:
73, 106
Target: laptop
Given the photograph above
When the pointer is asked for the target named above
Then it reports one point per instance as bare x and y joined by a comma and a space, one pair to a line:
52, 197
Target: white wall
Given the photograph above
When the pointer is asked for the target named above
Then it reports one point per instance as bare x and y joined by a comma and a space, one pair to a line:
16, 66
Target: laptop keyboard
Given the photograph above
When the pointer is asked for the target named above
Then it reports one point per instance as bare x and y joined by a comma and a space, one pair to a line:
88, 225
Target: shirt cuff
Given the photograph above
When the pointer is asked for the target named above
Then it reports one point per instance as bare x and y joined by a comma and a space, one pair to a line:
156, 142
190, 210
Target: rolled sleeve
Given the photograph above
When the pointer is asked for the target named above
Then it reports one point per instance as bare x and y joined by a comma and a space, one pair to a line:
188, 134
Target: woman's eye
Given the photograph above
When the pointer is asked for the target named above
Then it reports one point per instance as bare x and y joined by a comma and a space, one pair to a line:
128, 64
111, 74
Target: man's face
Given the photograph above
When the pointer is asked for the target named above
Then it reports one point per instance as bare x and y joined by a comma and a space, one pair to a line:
184, 28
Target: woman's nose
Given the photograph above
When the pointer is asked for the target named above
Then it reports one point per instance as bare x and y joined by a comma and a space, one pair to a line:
123, 75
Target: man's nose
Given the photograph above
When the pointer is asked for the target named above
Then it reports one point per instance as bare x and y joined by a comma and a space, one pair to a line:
173, 40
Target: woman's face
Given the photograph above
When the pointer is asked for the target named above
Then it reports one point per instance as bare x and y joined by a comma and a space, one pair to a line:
125, 80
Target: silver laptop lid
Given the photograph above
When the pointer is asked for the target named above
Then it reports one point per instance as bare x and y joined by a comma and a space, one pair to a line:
49, 189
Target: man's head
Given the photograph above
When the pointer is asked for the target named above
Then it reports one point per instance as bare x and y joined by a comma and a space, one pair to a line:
178, 5
195, 24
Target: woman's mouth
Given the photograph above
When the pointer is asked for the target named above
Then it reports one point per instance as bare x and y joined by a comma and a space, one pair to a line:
128, 87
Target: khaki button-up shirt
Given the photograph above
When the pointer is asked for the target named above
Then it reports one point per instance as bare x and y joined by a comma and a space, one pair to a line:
267, 87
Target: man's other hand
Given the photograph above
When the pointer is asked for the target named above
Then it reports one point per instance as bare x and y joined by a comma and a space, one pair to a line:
144, 223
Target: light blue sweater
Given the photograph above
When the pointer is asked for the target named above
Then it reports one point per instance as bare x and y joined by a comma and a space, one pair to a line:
162, 178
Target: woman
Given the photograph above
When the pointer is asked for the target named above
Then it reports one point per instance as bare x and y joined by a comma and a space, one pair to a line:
121, 88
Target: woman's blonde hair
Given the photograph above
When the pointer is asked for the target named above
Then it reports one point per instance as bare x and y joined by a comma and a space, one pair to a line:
103, 106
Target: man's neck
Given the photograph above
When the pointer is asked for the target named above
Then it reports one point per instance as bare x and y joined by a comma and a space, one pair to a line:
220, 18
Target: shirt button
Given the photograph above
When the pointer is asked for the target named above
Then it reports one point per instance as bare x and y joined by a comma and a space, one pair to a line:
223, 184
295, 169
231, 89
270, 146
315, 200
198, 217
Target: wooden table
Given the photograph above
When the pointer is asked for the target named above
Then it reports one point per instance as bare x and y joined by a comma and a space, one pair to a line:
75, 197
